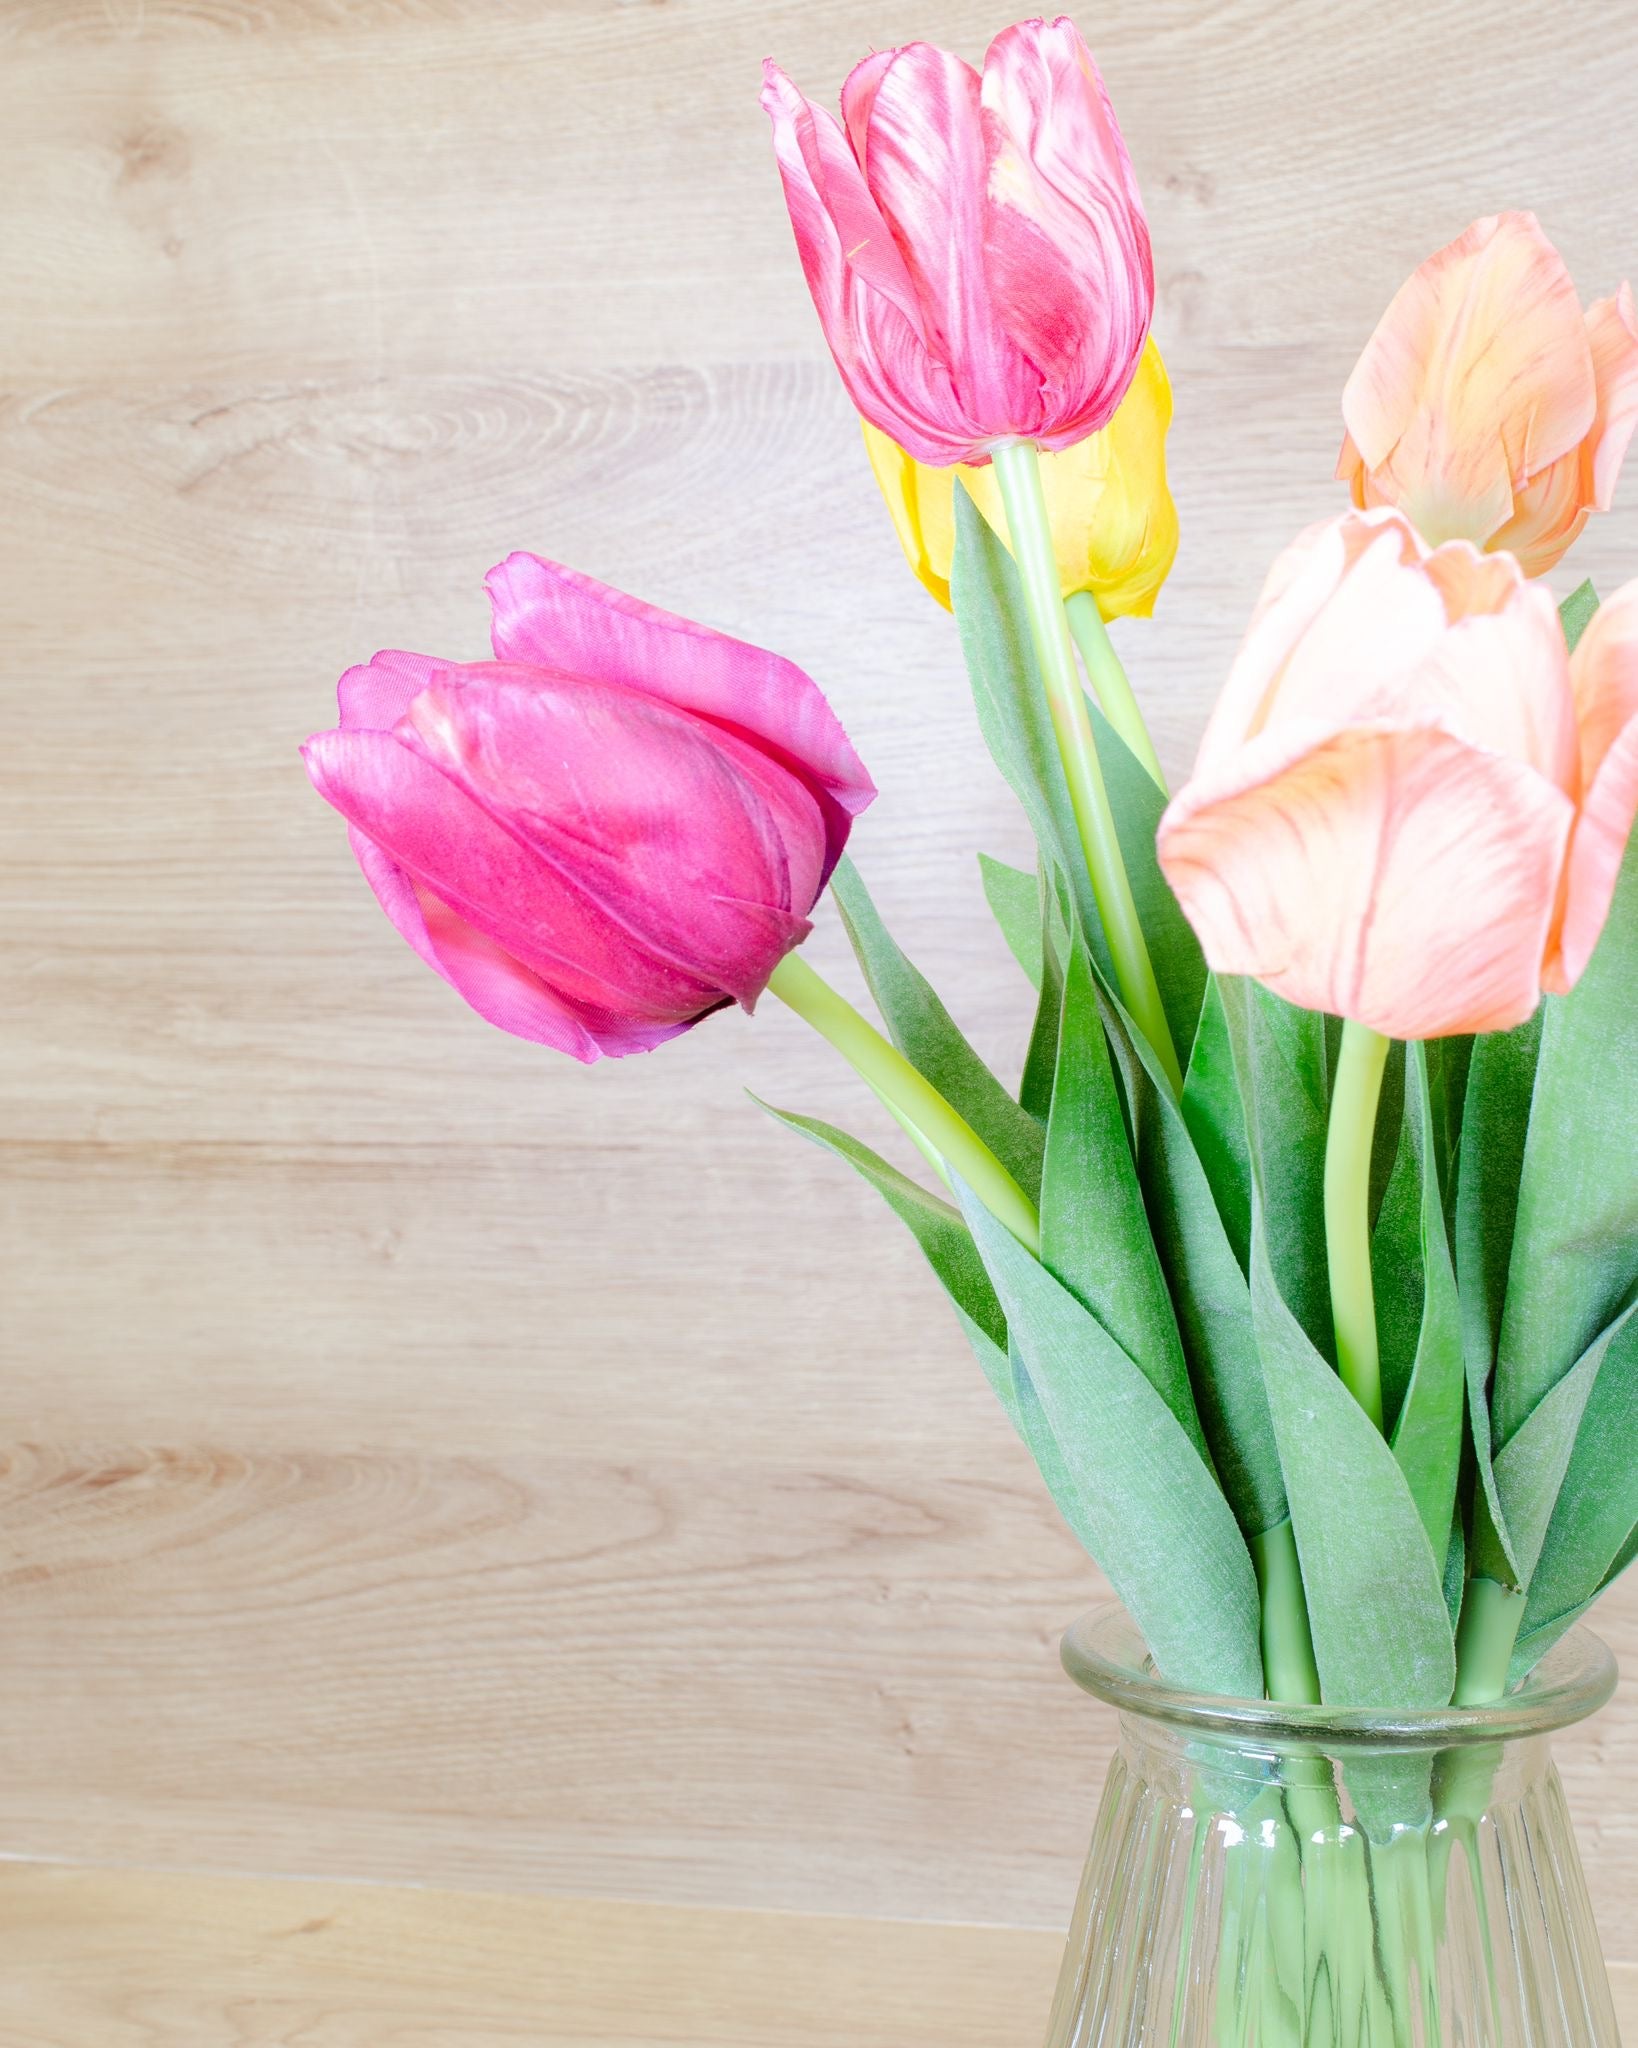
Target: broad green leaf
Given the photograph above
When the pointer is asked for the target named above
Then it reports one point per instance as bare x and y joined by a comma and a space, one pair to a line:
1397, 1279
936, 1226
1015, 901
1157, 1521
1376, 1599
1575, 613
1427, 1437
927, 1035
1575, 1238
1596, 1515
1011, 703
1456, 1569
1448, 1062
1095, 1233
1284, 1070
1041, 1058
1207, 1283
1530, 1466
1179, 964
1216, 1117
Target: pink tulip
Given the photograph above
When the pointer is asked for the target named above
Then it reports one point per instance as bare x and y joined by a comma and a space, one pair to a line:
1411, 804
976, 247
613, 828
1487, 406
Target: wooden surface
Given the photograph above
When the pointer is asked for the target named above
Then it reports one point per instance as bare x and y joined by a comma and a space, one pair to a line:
425, 1460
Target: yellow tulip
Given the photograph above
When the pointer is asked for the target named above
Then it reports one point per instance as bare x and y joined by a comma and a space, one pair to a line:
1114, 526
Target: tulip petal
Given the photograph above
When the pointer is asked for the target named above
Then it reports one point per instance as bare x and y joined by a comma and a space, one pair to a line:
1396, 876
1478, 376
1612, 329
375, 695
1604, 669
461, 856
570, 624
1066, 243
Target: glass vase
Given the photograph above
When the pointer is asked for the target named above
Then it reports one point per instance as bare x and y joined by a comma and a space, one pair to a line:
1298, 1877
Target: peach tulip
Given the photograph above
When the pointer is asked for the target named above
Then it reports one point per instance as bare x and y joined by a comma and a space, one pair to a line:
613, 828
1411, 803
975, 246
1487, 406
1114, 525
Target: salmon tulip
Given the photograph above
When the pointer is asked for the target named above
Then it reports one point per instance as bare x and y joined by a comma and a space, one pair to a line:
1114, 525
616, 826
975, 245
1487, 405
1411, 803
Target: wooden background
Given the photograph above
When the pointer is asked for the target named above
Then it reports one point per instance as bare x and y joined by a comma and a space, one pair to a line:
424, 1460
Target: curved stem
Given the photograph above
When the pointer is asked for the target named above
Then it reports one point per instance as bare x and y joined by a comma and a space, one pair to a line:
909, 1095
1347, 1212
1018, 471
1110, 683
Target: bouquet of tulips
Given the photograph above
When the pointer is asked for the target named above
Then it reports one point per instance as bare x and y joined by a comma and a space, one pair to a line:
1303, 1255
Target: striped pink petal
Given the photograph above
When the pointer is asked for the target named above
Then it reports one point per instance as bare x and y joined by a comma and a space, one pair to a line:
1604, 669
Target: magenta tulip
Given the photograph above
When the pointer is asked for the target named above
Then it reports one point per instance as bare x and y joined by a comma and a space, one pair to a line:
975, 246
613, 828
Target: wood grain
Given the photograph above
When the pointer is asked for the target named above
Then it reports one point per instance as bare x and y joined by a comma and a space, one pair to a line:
424, 1460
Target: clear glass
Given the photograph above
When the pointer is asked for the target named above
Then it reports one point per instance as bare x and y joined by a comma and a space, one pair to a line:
1298, 1877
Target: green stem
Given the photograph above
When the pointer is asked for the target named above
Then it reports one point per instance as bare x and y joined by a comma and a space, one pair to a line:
1018, 471
1485, 1636
1289, 1670
1110, 683
1347, 1212
908, 1094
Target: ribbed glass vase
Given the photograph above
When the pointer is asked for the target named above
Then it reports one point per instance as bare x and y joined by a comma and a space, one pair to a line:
1298, 1877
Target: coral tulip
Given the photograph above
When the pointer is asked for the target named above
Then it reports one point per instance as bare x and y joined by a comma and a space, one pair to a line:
975, 246
1487, 406
1114, 526
1411, 804
613, 828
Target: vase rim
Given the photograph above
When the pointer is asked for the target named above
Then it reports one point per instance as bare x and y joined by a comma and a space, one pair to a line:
1105, 1653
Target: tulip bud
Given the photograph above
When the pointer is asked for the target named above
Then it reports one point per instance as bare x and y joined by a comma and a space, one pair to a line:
613, 828
975, 246
1487, 406
1411, 804
1114, 526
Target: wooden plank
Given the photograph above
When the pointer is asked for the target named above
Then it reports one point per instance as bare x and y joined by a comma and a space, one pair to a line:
122, 1959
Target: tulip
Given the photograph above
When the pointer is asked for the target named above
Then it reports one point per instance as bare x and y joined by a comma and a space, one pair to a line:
1114, 525
1487, 406
1410, 805
975, 246
613, 828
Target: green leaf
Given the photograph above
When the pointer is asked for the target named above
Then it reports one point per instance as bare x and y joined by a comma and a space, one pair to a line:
1284, 1070
1531, 1464
935, 1225
1216, 1118
927, 1035
1376, 1600
1398, 1282
1575, 1239
1596, 1514
1207, 1284
1095, 1234
1158, 1524
1427, 1437
1014, 898
1575, 613
1041, 1059
1179, 964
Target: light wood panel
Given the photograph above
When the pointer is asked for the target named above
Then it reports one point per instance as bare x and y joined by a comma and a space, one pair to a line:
124, 1960
426, 1460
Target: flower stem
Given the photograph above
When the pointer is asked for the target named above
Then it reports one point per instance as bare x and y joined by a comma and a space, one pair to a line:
1289, 1670
1485, 1636
1110, 683
908, 1094
1347, 1212
1018, 471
